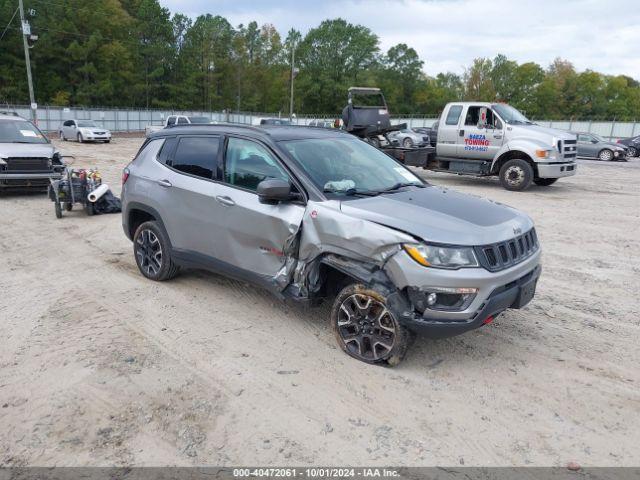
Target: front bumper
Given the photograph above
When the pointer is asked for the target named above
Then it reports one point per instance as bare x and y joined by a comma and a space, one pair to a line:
556, 170
497, 291
97, 137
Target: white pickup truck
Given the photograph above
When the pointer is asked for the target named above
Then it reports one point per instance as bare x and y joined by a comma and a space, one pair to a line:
177, 120
476, 138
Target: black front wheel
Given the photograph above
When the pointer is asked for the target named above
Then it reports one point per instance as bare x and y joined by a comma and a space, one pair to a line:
516, 175
365, 328
152, 253
633, 152
545, 182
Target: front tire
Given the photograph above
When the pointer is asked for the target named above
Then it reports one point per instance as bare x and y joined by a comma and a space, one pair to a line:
605, 155
516, 175
80, 139
633, 152
545, 182
62, 137
365, 329
407, 143
152, 252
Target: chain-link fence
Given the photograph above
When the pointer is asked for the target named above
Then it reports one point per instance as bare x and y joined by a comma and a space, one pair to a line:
134, 120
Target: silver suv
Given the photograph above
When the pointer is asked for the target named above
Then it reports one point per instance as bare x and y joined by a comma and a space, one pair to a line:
27, 157
313, 214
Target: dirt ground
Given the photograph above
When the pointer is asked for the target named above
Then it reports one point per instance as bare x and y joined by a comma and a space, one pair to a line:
99, 366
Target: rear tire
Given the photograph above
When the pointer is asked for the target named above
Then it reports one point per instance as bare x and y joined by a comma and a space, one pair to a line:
365, 329
544, 182
152, 252
516, 175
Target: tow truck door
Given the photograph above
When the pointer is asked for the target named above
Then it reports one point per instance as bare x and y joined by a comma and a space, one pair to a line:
448, 131
480, 135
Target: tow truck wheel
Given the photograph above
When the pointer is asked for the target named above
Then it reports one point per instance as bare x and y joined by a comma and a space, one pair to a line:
516, 175
605, 155
545, 182
365, 329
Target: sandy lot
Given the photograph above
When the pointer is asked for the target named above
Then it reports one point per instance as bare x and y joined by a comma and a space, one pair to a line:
99, 366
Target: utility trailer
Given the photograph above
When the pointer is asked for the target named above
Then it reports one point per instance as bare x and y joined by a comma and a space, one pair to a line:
367, 116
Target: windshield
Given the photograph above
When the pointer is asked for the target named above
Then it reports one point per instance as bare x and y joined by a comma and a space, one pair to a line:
199, 120
511, 115
349, 166
20, 131
86, 123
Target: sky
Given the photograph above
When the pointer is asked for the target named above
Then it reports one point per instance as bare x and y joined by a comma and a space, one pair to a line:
448, 34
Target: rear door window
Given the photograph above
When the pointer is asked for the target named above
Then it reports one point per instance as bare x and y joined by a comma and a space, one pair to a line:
454, 115
196, 156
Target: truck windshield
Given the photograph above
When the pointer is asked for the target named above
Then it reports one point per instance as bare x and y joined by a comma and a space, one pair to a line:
20, 131
511, 115
349, 166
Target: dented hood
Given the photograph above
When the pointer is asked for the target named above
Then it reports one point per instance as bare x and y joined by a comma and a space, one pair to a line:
440, 215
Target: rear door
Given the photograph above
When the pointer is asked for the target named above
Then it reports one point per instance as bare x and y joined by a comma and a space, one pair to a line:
448, 131
189, 193
480, 135
253, 236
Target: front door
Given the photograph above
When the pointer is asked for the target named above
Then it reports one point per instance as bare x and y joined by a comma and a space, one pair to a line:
587, 146
253, 236
481, 134
69, 130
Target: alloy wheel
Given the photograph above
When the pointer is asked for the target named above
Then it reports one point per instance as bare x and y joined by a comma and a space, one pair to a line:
606, 155
366, 327
149, 252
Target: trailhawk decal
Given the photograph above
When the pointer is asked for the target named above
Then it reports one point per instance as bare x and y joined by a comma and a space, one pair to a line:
476, 142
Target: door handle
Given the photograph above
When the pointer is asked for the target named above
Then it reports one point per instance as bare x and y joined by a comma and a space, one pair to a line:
165, 183
461, 133
497, 136
226, 201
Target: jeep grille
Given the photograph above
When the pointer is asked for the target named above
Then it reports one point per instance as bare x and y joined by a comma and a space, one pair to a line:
27, 164
498, 256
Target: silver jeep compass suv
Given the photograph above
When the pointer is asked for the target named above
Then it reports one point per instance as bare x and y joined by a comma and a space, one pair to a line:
312, 213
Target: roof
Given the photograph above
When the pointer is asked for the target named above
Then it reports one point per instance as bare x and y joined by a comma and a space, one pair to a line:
11, 116
274, 132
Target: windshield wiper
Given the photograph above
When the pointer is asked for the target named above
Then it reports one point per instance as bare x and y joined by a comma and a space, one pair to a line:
350, 192
400, 185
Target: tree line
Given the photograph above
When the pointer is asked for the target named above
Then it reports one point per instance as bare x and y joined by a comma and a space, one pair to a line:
135, 53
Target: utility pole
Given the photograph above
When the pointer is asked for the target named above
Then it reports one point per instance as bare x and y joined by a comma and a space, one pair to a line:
293, 74
26, 30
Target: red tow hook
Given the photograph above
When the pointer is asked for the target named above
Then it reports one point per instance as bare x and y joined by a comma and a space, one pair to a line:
488, 320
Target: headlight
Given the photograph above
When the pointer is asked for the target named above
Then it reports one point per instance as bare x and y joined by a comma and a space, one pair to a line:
84, 131
435, 256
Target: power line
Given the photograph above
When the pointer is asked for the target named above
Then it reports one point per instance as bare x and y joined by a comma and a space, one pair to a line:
7, 27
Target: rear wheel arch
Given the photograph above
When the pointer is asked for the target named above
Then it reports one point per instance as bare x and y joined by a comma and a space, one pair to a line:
138, 213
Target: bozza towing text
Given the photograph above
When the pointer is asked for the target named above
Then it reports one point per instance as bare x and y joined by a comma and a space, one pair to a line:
313, 214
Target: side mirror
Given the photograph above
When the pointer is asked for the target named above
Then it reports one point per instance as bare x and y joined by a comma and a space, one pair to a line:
594, 141
274, 190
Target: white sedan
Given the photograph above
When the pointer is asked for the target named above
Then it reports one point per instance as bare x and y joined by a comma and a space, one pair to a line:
84, 131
